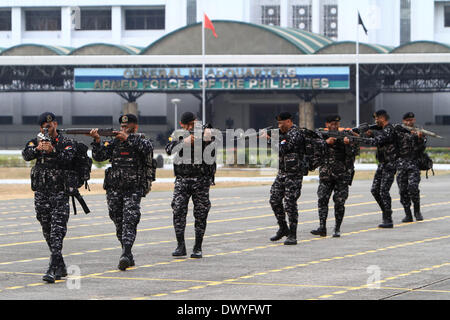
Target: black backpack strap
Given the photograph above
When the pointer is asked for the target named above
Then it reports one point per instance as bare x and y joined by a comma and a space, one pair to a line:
74, 206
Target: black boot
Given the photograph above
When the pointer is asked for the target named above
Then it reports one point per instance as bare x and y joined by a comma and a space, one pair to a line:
322, 230
61, 270
197, 250
387, 220
181, 247
417, 213
292, 237
337, 229
126, 259
50, 275
408, 215
282, 231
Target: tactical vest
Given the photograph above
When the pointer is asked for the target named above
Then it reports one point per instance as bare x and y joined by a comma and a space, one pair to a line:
127, 169
292, 162
409, 146
49, 174
388, 153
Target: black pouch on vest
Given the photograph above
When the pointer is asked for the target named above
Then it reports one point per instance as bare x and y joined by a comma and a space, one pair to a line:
292, 163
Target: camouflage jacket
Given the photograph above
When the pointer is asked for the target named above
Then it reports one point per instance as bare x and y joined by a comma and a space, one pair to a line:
199, 163
128, 160
51, 170
410, 146
292, 152
386, 143
339, 160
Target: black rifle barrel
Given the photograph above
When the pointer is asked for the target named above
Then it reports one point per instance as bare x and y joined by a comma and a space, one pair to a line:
103, 132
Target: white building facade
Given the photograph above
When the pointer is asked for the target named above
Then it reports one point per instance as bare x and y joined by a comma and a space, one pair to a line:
139, 23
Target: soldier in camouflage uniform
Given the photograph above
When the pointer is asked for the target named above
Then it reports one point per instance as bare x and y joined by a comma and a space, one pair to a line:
335, 175
410, 146
386, 143
126, 181
287, 186
53, 154
194, 176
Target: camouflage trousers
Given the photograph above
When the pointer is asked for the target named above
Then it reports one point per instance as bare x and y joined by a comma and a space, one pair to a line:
198, 189
339, 188
408, 179
381, 185
52, 211
124, 211
284, 194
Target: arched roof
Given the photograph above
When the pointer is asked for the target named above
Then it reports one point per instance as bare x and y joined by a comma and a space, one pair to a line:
235, 37
422, 47
349, 47
35, 50
105, 49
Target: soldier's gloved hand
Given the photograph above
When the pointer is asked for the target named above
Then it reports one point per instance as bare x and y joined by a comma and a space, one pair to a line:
189, 140
94, 134
207, 135
40, 146
331, 140
122, 136
47, 146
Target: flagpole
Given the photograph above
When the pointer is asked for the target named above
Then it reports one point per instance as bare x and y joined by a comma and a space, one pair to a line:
203, 73
357, 73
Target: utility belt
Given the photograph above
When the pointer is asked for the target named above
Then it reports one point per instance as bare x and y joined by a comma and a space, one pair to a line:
193, 171
292, 163
49, 178
123, 178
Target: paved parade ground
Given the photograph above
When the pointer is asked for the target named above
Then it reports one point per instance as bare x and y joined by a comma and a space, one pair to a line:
410, 261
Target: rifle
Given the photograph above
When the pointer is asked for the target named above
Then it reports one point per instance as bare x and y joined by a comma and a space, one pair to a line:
425, 132
44, 136
109, 132
345, 134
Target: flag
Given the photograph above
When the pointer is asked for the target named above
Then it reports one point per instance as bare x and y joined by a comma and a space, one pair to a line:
361, 23
209, 25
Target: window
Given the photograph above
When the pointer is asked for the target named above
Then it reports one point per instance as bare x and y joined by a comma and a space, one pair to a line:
447, 16
270, 15
6, 120
43, 20
106, 120
33, 120
145, 19
405, 21
301, 17
191, 12
96, 19
330, 21
5, 20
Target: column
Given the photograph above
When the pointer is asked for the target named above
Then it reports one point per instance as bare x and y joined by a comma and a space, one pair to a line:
306, 115
66, 27
130, 107
116, 24
284, 9
16, 25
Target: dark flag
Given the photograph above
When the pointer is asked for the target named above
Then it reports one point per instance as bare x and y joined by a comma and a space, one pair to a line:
361, 23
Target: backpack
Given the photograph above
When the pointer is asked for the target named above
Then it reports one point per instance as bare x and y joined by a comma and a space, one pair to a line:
82, 165
314, 150
425, 163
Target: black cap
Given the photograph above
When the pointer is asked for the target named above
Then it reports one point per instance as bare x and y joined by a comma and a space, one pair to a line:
46, 117
332, 118
408, 115
283, 116
187, 117
381, 113
128, 118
